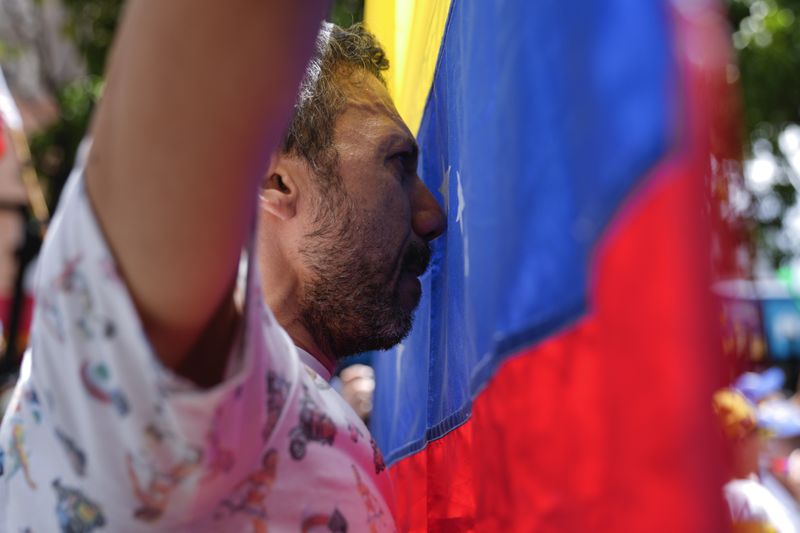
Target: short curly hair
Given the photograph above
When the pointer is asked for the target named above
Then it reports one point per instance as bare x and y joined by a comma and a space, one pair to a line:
340, 52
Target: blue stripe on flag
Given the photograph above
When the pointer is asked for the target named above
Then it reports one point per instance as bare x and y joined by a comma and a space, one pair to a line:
542, 118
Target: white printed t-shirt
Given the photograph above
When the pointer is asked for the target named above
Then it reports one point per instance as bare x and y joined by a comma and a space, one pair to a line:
100, 436
751, 504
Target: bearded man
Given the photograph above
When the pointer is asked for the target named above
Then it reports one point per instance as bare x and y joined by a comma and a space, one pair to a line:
152, 397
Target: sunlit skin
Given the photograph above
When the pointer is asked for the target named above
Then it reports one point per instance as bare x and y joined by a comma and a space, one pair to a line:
171, 178
746, 453
384, 215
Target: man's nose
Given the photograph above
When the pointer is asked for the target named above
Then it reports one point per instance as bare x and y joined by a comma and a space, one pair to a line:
428, 220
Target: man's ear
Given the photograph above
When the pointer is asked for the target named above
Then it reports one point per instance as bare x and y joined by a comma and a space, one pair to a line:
279, 190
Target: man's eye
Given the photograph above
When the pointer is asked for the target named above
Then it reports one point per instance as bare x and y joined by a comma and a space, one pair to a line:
404, 161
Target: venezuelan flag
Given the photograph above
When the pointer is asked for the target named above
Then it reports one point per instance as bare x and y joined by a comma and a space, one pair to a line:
560, 371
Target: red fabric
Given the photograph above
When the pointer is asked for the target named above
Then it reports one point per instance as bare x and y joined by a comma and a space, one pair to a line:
27, 315
607, 426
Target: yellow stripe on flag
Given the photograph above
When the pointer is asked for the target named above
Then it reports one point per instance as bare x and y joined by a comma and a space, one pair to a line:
411, 32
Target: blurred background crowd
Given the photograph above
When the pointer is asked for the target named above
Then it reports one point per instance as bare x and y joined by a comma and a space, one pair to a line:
761, 419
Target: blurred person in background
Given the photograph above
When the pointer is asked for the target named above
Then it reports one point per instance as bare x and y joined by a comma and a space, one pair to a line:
763, 386
22, 214
153, 399
12, 195
37, 59
12, 200
356, 384
780, 463
779, 420
752, 506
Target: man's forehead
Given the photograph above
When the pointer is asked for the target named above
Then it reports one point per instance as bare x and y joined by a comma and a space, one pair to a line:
370, 112
369, 127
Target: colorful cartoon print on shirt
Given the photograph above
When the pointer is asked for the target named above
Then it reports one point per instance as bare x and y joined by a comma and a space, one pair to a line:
371, 505
155, 433
73, 284
18, 459
75, 512
249, 496
319, 382
156, 472
76, 456
334, 522
153, 487
31, 399
53, 319
96, 379
314, 425
109, 269
277, 392
377, 457
355, 433
219, 460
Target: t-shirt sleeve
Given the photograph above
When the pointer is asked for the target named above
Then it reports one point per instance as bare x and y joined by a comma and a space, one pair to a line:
111, 423
748, 504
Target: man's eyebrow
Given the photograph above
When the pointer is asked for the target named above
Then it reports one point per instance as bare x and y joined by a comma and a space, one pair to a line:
397, 141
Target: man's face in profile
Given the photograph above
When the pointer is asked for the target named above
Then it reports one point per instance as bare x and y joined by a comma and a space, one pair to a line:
369, 243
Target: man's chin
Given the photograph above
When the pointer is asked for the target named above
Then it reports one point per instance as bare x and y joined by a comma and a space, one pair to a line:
383, 336
387, 343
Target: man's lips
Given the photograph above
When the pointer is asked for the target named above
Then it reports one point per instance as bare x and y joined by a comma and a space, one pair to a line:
410, 291
416, 271
414, 263
417, 259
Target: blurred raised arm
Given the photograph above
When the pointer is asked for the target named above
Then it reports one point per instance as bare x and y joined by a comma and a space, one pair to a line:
199, 93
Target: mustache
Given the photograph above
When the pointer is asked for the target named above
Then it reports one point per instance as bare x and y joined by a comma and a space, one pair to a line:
417, 258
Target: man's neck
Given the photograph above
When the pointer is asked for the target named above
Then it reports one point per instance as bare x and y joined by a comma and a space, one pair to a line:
281, 295
327, 362
301, 336
314, 364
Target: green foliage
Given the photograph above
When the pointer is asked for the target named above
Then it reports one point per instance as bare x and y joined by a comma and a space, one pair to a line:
767, 39
766, 36
54, 149
91, 25
347, 12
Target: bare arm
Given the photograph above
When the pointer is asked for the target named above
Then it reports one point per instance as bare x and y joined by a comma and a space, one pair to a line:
198, 96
